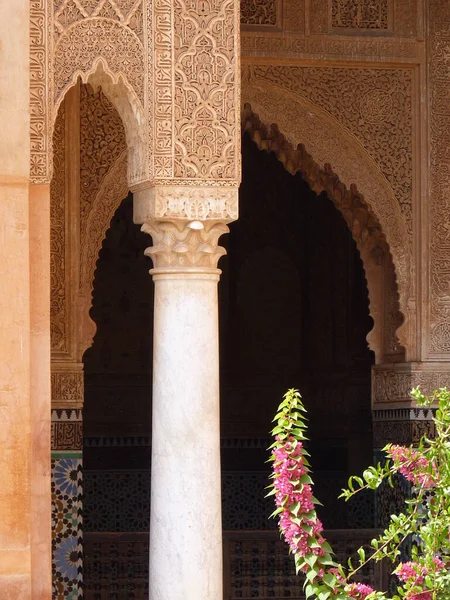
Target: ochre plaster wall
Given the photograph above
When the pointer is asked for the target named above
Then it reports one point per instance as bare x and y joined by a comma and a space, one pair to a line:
15, 552
24, 330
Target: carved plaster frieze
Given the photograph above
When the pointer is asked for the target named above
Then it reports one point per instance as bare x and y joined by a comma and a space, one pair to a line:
186, 203
256, 44
67, 388
392, 384
185, 245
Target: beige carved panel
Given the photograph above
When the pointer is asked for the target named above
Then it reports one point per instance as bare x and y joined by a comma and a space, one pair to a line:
360, 14
58, 298
375, 105
207, 103
439, 260
259, 12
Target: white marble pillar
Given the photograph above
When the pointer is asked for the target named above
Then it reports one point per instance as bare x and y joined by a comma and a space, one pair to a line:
186, 523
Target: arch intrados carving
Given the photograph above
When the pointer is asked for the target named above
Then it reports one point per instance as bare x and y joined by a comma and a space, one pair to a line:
124, 99
365, 227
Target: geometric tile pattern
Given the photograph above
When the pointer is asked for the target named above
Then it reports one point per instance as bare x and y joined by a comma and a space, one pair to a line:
66, 490
67, 514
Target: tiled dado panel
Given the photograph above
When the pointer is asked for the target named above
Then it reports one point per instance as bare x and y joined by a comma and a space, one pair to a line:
67, 487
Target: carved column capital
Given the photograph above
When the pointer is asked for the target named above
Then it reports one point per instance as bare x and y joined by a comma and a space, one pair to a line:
185, 224
185, 245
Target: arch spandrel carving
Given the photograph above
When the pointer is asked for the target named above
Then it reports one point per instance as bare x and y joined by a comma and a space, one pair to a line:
337, 151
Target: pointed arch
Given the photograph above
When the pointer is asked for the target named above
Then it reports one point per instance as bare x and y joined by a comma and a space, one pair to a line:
333, 160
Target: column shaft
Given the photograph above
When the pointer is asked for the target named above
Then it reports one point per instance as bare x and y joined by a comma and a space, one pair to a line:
186, 525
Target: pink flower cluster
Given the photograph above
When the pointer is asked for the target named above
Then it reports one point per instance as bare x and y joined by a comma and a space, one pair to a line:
412, 465
358, 590
414, 574
289, 468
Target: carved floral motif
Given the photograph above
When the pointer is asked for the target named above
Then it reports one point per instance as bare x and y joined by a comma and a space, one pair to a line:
189, 203
359, 14
259, 12
88, 40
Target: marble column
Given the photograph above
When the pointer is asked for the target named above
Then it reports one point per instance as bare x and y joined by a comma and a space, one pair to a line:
186, 523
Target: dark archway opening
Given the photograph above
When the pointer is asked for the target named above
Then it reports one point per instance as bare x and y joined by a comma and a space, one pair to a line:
293, 312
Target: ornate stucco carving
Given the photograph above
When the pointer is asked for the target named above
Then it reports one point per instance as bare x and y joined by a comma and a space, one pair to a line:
360, 14
259, 12
170, 69
375, 105
207, 102
84, 42
58, 297
366, 230
439, 233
